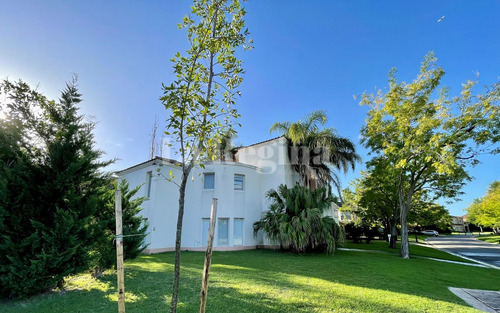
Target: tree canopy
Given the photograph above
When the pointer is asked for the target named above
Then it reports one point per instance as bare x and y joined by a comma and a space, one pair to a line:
429, 137
51, 184
486, 210
201, 99
374, 197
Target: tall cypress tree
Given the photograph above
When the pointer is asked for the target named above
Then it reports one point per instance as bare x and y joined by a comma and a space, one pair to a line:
134, 226
50, 186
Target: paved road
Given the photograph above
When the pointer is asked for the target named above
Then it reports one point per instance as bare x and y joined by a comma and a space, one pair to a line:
470, 247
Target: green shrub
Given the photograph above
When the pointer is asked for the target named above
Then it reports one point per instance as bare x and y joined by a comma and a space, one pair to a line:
295, 220
134, 227
50, 186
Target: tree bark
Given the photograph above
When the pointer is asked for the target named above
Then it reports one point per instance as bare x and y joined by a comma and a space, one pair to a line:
404, 249
404, 207
394, 227
394, 236
178, 236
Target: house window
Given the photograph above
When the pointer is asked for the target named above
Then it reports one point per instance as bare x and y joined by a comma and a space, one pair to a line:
204, 236
239, 182
209, 181
238, 232
149, 179
223, 232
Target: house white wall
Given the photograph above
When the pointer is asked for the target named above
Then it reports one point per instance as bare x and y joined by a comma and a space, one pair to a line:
264, 166
271, 160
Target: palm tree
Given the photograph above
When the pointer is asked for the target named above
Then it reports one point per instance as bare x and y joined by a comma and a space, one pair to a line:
295, 219
315, 153
220, 148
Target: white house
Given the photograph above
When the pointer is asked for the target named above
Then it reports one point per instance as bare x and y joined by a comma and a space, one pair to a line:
240, 187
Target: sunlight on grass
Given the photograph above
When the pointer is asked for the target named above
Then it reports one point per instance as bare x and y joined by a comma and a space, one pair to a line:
415, 250
129, 297
87, 282
231, 267
490, 238
324, 292
150, 265
269, 281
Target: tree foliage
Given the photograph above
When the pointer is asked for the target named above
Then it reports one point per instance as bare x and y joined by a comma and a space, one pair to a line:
50, 187
134, 226
486, 210
201, 100
426, 214
296, 220
314, 151
374, 199
429, 137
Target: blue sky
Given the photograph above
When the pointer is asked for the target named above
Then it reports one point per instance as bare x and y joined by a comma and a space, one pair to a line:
308, 55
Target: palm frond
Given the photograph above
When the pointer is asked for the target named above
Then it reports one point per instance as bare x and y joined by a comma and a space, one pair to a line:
295, 219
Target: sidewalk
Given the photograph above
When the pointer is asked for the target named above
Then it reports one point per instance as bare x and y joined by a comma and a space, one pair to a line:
483, 300
485, 253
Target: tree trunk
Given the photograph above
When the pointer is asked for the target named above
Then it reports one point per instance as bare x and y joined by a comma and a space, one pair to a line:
404, 207
387, 226
394, 236
185, 173
404, 251
177, 265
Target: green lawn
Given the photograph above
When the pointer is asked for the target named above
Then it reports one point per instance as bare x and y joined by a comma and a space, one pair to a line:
415, 250
269, 281
490, 238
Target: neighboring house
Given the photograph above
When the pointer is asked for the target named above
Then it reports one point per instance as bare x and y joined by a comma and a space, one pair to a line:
345, 217
458, 224
240, 187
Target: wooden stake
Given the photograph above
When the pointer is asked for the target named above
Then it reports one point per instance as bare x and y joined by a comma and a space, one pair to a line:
208, 257
119, 252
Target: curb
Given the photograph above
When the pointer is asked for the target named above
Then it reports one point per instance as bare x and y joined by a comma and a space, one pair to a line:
415, 257
465, 257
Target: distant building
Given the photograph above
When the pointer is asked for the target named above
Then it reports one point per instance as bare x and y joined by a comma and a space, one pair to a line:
240, 186
346, 217
458, 224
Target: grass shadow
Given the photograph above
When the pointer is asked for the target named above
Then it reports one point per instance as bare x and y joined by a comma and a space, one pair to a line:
271, 281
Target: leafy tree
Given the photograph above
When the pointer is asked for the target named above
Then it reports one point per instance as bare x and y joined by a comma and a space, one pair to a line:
313, 151
426, 214
295, 220
201, 99
50, 187
486, 211
430, 142
134, 226
374, 199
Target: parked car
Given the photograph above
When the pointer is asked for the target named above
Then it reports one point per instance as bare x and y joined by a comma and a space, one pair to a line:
430, 233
